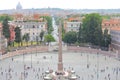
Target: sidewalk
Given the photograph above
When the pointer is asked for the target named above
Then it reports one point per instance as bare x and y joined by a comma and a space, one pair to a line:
25, 51
91, 50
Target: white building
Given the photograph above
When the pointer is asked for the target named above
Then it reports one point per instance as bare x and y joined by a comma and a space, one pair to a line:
32, 28
72, 26
115, 43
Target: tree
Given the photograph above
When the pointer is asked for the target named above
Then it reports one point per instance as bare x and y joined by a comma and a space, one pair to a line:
2, 17
80, 35
41, 35
26, 37
49, 38
63, 32
5, 30
60, 21
92, 28
70, 37
106, 40
18, 35
106, 16
49, 23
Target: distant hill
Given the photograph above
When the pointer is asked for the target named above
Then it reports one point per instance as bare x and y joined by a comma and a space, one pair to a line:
60, 11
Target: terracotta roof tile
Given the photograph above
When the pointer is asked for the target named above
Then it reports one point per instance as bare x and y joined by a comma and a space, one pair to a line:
115, 28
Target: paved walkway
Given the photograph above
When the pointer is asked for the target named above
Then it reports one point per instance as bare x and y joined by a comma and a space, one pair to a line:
87, 66
26, 51
91, 50
45, 49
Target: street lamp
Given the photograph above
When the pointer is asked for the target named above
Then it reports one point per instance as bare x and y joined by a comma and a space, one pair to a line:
105, 41
37, 39
87, 61
36, 50
37, 44
6, 76
24, 66
117, 73
31, 60
9, 72
97, 65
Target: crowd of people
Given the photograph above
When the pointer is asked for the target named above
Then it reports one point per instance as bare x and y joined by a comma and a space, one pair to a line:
33, 66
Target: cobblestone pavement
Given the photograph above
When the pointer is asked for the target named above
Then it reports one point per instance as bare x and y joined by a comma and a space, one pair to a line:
86, 65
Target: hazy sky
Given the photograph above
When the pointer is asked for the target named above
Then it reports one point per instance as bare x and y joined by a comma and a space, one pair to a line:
66, 4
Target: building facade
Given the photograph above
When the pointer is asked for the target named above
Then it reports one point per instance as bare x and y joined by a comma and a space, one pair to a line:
110, 24
12, 32
115, 43
3, 42
32, 28
113, 26
72, 24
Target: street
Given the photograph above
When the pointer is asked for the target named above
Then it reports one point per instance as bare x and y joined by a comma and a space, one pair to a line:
55, 31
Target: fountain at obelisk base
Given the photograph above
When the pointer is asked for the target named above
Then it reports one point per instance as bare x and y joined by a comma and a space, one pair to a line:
60, 74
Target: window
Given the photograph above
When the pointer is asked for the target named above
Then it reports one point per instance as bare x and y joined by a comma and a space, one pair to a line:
112, 24
116, 24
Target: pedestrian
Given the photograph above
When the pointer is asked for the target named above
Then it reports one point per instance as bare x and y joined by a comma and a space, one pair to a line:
39, 69
12, 59
105, 78
51, 57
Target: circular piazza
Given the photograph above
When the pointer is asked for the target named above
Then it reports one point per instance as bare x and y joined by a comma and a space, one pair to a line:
87, 66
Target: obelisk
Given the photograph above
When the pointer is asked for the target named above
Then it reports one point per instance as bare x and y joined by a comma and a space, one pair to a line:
60, 63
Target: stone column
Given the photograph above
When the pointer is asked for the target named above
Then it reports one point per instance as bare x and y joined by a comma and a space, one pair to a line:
60, 63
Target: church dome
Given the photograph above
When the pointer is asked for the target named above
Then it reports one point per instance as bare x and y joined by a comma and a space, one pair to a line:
19, 6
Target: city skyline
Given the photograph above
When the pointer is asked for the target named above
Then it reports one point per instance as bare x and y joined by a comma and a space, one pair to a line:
64, 4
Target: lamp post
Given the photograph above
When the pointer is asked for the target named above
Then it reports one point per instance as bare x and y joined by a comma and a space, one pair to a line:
31, 60
6, 76
105, 43
37, 44
97, 65
117, 73
23, 66
9, 72
36, 50
87, 61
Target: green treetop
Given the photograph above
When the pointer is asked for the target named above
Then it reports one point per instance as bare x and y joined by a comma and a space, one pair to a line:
92, 28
